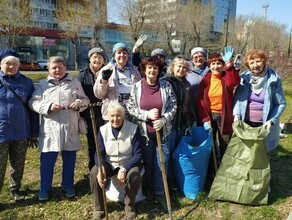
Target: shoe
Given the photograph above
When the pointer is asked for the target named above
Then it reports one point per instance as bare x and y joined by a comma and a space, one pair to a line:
17, 195
162, 201
98, 215
172, 185
70, 193
43, 196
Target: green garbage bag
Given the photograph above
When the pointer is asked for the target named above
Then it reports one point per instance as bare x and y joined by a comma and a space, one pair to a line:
244, 173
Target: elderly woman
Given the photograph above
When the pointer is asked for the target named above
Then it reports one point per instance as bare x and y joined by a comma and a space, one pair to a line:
153, 105
198, 68
116, 79
87, 77
259, 98
121, 153
17, 122
184, 119
58, 99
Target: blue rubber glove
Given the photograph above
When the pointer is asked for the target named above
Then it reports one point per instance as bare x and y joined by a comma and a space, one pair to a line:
207, 126
228, 52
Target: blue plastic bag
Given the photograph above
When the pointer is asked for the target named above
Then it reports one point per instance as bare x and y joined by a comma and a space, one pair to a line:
191, 159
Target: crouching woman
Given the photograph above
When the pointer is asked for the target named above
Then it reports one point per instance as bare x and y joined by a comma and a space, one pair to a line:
121, 154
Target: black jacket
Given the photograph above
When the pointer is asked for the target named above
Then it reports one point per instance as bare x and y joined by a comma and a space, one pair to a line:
86, 78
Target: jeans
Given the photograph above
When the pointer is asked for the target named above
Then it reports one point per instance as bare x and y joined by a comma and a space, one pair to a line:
153, 181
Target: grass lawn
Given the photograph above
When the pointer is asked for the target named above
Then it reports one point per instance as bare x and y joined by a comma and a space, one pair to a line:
59, 207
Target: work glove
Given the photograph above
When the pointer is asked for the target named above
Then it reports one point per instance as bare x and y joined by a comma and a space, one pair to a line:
141, 40
237, 61
207, 126
33, 142
236, 118
106, 74
228, 52
268, 125
158, 124
153, 114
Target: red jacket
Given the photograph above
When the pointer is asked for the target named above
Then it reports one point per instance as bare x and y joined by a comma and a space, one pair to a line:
230, 79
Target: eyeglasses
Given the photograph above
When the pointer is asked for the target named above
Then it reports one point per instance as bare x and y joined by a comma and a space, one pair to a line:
197, 57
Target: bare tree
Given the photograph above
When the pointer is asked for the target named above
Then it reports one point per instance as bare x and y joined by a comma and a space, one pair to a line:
256, 32
195, 20
74, 17
14, 19
135, 14
99, 21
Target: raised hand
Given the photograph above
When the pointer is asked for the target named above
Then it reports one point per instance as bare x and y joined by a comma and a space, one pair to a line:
139, 43
228, 52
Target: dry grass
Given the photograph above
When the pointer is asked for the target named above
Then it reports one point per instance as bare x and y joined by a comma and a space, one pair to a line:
59, 207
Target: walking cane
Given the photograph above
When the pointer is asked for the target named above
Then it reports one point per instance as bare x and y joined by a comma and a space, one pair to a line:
163, 174
92, 116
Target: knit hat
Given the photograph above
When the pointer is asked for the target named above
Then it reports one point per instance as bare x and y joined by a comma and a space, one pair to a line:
97, 50
8, 52
197, 49
158, 51
119, 45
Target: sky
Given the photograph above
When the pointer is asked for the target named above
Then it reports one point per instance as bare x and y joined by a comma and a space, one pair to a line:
279, 11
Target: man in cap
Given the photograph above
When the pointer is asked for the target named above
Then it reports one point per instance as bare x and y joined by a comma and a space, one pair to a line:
18, 123
87, 77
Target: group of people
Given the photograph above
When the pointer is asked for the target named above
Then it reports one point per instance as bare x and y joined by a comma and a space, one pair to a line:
139, 99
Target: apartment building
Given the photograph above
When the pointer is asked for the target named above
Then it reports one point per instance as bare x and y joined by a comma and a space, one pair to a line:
46, 38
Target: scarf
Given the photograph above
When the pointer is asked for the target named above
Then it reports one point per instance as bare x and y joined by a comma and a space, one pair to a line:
258, 81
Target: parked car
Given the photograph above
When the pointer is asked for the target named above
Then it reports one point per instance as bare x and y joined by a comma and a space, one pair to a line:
29, 66
43, 64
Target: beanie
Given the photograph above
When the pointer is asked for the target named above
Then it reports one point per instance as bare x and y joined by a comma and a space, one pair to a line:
97, 50
8, 52
197, 49
119, 45
158, 51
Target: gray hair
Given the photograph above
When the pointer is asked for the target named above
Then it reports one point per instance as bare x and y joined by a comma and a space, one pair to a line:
11, 58
115, 106
56, 59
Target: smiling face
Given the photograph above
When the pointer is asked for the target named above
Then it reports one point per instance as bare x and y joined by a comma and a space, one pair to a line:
256, 65
198, 59
216, 67
57, 70
151, 73
96, 61
180, 69
121, 57
10, 65
115, 117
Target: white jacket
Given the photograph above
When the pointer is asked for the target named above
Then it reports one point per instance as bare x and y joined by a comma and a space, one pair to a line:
58, 130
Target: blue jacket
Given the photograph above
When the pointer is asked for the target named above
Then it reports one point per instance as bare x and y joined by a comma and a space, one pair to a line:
274, 104
17, 122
